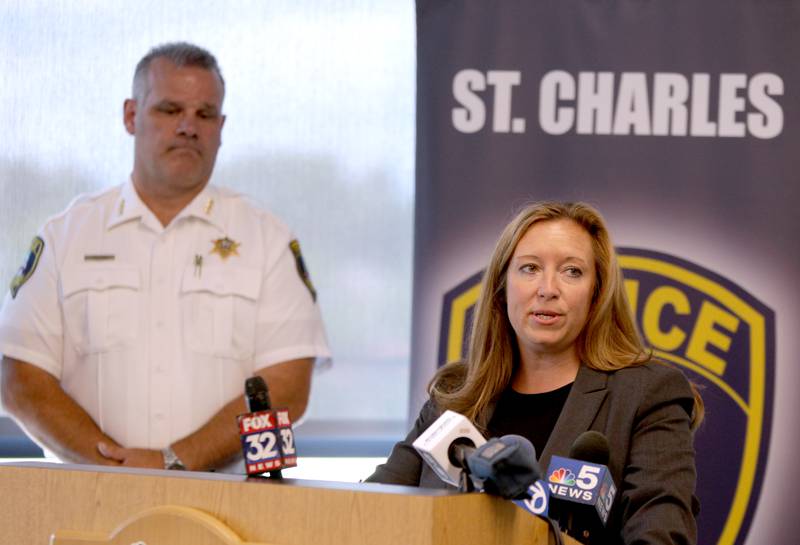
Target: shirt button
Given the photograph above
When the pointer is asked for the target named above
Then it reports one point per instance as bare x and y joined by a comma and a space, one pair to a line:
159, 416
159, 324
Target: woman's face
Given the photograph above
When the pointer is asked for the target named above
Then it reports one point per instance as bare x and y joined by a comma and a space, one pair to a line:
549, 287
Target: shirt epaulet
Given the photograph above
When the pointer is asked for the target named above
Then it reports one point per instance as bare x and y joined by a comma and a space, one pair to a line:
80, 201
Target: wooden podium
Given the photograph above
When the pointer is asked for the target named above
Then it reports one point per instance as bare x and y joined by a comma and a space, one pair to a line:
57, 504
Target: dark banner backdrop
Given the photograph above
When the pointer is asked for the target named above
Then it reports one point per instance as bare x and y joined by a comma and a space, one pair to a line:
679, 121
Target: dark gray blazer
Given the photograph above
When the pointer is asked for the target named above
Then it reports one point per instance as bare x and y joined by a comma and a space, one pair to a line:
645, 412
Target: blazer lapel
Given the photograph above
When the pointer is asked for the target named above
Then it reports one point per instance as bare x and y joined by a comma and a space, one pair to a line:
583, 402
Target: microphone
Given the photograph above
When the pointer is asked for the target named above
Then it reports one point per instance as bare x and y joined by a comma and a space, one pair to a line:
257, 398
446, 445
581, 487
256, 395
505, 466
266, 434
459, 450
591, 446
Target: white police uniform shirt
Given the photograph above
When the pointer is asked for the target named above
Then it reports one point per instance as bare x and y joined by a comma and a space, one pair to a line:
152, 329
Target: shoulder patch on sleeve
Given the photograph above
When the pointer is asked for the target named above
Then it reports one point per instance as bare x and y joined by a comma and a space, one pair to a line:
301, 268
26, 271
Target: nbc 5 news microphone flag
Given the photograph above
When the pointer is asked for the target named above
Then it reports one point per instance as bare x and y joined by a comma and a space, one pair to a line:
582, 482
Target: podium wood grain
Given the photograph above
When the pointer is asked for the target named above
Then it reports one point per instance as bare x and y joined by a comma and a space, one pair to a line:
40, 499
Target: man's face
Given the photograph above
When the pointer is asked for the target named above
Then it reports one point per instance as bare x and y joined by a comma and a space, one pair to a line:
177, 127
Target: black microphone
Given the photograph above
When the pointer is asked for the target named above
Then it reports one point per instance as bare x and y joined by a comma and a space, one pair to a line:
256, 395
582, 490
505, 466
257, 399
459, 450
591, 446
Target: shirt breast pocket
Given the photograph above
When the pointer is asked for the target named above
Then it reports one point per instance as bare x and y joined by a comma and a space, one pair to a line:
100, 306
219, 310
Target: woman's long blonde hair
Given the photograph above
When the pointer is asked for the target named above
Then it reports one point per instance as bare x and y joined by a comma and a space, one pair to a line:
609, 340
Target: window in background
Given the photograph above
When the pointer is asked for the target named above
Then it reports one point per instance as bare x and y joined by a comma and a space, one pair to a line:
320, 128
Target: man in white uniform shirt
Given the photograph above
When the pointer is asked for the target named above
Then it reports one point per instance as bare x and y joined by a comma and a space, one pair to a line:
129, 332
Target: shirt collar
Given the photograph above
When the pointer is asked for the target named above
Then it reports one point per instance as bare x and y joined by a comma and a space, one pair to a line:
128, 206
205, 206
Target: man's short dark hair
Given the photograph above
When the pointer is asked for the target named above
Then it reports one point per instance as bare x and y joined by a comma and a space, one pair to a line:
179, 53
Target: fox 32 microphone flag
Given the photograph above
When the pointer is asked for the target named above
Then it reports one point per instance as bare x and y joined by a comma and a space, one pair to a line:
679, 121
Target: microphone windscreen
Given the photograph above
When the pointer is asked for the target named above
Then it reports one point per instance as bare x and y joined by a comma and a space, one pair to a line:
591, 446
256, 395
506, 465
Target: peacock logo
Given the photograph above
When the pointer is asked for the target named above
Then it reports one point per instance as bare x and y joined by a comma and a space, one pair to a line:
562, 476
